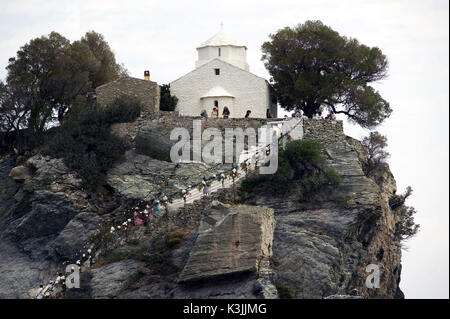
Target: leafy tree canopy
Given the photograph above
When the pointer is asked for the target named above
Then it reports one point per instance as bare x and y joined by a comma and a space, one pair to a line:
301, 162
47, 75
109, 69
85, 141
405, 227
312, 66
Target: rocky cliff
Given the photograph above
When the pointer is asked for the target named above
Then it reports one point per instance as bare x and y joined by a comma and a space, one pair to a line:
322, 246
269, 246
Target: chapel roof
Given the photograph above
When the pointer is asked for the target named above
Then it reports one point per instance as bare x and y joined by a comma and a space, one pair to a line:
221, 39
217, 91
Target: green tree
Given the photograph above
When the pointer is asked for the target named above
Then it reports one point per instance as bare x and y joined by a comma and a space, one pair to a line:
405, 227
85, 141
395, 201
376, 155
167, 102
301, 163
72, 76
13, 115
46, 77
9, 113
312, 66
47, 74
304, 156
109, 69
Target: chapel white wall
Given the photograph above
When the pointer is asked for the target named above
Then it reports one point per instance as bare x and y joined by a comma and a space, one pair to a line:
250, 91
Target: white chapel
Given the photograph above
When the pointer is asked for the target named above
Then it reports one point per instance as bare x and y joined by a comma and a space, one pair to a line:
221, 78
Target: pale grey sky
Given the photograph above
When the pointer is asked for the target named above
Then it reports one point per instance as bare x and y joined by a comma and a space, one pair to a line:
161, 36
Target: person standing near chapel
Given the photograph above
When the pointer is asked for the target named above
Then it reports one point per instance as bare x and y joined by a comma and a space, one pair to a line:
226, 112
215, 113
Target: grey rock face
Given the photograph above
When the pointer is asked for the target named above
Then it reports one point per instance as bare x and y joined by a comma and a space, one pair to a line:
264, 288
343, 297
46, 204
51, 175
157, 134
76, 234
307, 251
344, 159
153, 290
18, 273
108, 281
49, 214
140, 177
232, 287
230, 240
8, 187
32, 216
244, 286
36, 230
322, 248
20, 173
230, 271
180, 255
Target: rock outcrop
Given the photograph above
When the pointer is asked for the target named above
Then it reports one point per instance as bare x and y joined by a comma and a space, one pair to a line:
207, 266
231, 240
8, 187
18, 272
42, 220
110, 280
322, 246
20, 173
141, 177
270, 246
76, 233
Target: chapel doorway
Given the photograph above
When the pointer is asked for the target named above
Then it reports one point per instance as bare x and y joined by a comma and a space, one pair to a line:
216, 104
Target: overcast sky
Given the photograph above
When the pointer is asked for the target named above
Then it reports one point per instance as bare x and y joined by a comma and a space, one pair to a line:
161, 36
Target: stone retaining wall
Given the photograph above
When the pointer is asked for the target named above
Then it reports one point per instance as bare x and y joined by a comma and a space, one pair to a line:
326, 132
157, 126
171, 120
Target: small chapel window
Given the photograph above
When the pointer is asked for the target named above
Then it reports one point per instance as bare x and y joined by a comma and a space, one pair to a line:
216, 103
219, 51
217, 71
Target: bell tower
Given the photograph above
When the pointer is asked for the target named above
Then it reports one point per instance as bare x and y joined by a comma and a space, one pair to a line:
222, 46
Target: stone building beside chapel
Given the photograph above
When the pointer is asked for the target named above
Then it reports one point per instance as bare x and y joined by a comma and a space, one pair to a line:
221, 78
148, 92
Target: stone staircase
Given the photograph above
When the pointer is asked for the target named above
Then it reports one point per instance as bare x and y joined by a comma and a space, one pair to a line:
196, 194
294, 129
